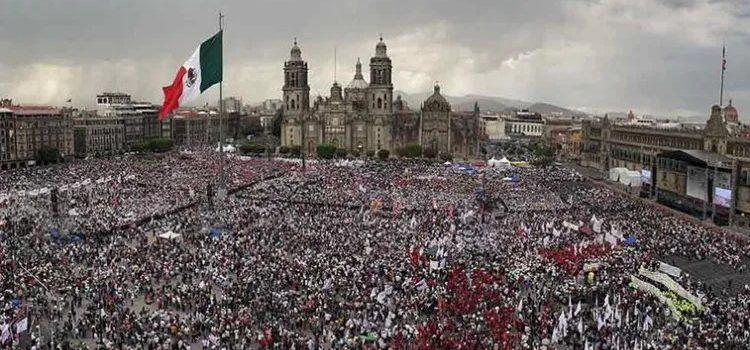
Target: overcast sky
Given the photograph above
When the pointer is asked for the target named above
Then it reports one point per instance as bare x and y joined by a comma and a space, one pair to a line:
652, 56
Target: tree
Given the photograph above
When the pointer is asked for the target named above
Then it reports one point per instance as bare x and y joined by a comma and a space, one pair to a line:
383, 154
276, 125
295, 151
160, 145
446, 157
326, 151
430, 153
412, 151
283, 150
47, 155
157, 145
370, 153
340, 153
252, 148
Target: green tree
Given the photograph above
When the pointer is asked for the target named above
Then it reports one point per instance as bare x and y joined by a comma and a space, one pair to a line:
295, 151
412, 151
326, 151
47, 155
446, 157
277, 121
160, 145
383, 154
252, 148
430, 153
340, 153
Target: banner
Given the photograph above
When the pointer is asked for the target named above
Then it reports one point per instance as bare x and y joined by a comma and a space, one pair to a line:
723, 197
22, 325
696, 183
669, 269
649, 288
670, 284
573, 227
646, 176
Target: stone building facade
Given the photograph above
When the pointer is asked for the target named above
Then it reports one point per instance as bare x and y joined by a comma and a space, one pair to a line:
365, 116
98, 135
24, 130
626, 143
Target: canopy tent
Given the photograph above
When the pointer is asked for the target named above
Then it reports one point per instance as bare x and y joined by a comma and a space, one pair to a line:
215, 232
495, 163
631, 240
625, 176
170, 235
227, 148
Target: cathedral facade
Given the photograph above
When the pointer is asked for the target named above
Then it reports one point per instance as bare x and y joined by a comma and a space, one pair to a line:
365, 117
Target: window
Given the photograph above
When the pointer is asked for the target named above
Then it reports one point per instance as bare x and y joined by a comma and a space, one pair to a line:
380, 102
293, 104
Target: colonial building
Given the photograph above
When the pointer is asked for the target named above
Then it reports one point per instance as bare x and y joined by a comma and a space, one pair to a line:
24, 130
365, 117
525, 124
193, 127
98, 135
139, 119
662, 150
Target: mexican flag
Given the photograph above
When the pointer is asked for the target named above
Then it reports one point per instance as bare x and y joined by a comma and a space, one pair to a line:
202, 70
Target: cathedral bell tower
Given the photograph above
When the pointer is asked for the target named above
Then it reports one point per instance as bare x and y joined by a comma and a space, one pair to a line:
380, 96
296, 90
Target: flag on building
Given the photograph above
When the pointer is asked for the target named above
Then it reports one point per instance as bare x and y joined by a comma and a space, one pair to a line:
201, 71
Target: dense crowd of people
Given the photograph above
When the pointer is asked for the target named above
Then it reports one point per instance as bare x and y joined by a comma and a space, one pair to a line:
370, 255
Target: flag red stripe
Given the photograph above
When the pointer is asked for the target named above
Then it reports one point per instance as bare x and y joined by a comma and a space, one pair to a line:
172, 95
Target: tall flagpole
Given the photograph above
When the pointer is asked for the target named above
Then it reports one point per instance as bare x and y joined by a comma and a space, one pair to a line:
723, 68
221, 188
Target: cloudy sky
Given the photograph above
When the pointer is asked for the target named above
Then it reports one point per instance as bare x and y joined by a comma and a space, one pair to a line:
652, 56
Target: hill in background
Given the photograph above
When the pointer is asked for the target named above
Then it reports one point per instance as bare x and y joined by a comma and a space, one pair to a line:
487, 103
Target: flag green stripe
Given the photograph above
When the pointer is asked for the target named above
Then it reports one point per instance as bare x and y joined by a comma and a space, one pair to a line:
211, 61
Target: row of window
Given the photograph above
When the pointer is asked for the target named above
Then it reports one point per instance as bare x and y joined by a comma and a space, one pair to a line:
524, 128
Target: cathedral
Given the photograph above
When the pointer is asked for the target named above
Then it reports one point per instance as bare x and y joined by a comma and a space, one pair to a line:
365, 117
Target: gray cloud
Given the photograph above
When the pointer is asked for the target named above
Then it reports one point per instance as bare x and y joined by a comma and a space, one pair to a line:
652, 56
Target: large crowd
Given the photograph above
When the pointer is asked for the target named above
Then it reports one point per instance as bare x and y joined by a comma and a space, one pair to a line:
351, 255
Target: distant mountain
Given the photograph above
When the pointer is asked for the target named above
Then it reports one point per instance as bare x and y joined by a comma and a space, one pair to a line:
486, 103
546, 108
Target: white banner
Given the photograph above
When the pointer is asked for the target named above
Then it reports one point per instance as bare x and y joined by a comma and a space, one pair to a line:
671, 285
669, 269
696, 183
22, 325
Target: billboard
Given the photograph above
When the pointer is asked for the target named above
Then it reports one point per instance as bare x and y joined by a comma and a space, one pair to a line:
723, 197
696, 183
646, 176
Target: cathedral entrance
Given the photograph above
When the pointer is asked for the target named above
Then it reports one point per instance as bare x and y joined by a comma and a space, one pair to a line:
311, 147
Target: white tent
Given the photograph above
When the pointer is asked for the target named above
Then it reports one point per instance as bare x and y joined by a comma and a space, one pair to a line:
502, 163
615, 173
227, 148
170, 235
630, 178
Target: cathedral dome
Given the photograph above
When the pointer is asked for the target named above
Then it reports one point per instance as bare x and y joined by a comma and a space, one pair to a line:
730, 113
359, 81
437, 102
